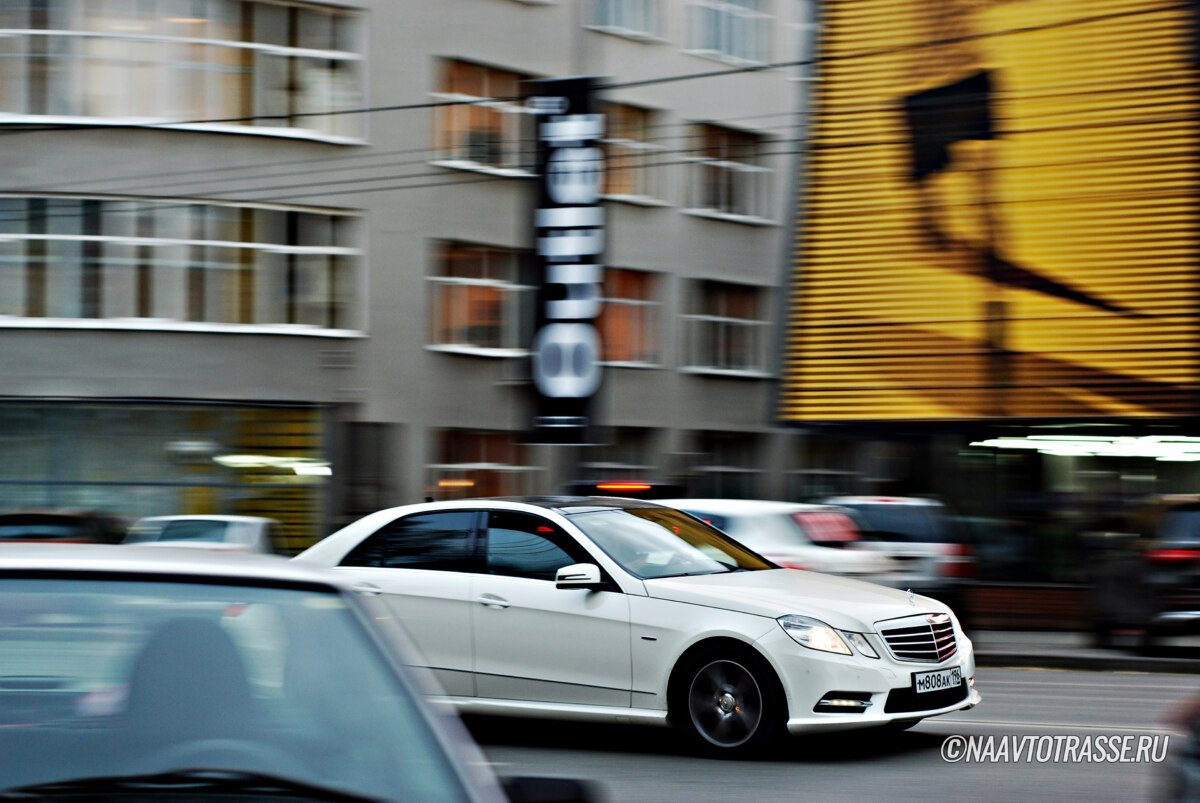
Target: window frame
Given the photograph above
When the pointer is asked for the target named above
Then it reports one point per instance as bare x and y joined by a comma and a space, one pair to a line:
556, 530
457, 480
516, 296
470, 556
77, 47
645, 155
653, 13
695, 326
516, 146
728, 14
743, 185
651, 322
168, 277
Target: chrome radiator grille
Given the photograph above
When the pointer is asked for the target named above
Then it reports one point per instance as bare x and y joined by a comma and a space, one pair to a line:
927, 638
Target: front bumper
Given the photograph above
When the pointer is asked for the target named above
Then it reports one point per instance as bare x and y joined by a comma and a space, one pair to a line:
809, 676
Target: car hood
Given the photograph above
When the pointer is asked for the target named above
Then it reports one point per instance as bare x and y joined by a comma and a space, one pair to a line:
838, 601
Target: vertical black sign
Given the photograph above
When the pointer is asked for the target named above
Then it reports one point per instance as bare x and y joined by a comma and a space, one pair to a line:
568, 225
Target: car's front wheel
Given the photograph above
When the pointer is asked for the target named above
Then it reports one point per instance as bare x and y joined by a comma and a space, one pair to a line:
727, 702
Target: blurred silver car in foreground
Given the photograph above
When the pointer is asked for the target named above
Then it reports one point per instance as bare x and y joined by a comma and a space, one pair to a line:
138, 673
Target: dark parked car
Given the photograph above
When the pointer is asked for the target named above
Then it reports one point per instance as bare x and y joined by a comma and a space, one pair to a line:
61, 524
1144, 569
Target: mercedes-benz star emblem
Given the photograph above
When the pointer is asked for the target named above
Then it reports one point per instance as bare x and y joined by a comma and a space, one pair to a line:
912, 598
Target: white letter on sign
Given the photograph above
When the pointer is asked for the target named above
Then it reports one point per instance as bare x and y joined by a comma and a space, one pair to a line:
566, 360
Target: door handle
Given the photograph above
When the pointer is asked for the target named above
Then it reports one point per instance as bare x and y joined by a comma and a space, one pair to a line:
367, 588
492, 601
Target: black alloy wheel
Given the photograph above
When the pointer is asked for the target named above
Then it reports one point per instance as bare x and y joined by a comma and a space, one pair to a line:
727, 703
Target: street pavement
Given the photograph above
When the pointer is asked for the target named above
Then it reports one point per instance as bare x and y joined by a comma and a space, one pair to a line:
1074, 650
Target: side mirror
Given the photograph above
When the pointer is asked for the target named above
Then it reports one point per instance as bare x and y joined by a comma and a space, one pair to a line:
579, 575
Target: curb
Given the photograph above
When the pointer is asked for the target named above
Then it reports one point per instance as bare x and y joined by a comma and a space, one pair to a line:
1089, 663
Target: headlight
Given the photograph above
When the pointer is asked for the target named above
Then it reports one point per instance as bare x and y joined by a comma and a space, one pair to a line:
813, 634
860, 643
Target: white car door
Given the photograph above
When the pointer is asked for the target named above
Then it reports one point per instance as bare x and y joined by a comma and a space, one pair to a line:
419, 565
535, 642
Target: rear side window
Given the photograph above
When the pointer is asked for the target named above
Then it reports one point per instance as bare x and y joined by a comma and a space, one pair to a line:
913, 523
209, 531
439, 541
1180, 525
520, 545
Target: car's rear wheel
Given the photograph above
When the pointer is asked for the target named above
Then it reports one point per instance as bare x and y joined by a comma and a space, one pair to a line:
727, 702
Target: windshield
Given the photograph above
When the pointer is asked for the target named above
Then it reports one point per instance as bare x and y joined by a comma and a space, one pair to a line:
654, 542
123, 677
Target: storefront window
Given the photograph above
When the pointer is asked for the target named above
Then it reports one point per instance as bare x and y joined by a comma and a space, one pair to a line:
134, 460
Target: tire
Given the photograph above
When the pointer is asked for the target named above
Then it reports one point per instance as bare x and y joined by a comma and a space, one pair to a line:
727, 702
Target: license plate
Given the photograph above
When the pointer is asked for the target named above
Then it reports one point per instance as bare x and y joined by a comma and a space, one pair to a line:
937, 680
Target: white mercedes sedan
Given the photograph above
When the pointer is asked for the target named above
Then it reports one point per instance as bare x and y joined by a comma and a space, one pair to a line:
629, 611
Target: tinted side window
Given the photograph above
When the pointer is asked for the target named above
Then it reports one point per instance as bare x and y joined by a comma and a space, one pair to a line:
519, 545
424, 541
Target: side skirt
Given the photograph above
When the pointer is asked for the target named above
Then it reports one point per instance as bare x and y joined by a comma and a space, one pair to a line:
564, 711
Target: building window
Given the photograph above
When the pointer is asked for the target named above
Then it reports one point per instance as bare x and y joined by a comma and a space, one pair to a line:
233, 62
629, 318
731, 30
126, 259
472, 463
726, 330
479, 300
802, 35
485, 125
631, 157
633, 18
725, 174
626, 456
727, 466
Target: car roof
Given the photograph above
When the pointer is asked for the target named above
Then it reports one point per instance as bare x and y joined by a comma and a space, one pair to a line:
734, 506
179, 563
562, 504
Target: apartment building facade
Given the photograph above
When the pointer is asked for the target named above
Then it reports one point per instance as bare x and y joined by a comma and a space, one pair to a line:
276, 258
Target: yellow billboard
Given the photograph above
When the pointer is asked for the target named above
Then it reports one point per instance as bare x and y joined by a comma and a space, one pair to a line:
999, 213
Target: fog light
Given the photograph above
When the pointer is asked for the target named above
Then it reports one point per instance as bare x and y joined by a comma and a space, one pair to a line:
843, 702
